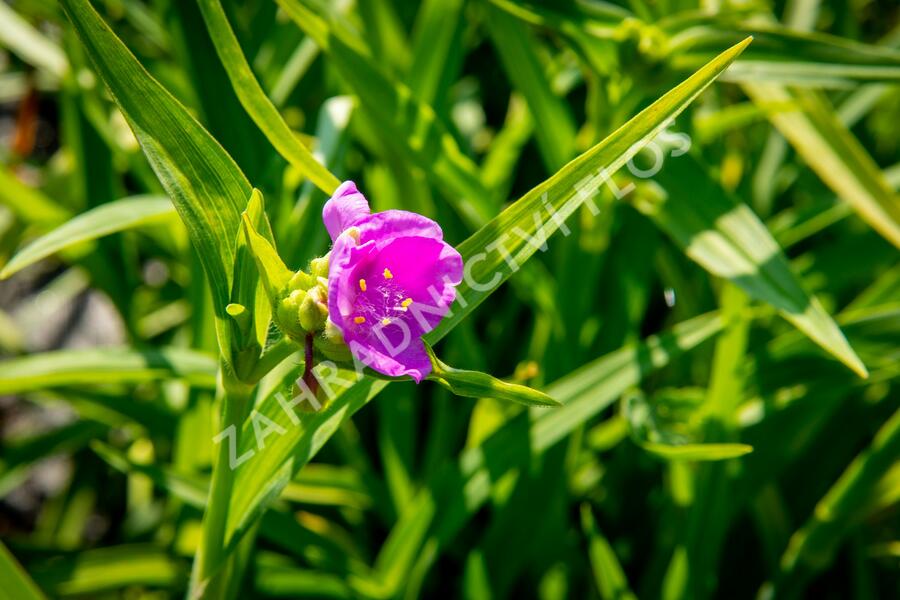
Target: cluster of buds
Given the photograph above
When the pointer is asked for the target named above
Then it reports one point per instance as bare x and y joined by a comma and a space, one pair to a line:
299, 299
300, 309
302, 306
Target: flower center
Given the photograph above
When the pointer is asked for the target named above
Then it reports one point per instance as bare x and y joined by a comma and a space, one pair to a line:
380, 302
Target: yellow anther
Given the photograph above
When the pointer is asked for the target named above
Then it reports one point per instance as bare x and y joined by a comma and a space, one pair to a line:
362, 284
388, 274
385, 321
359, 320
406, 303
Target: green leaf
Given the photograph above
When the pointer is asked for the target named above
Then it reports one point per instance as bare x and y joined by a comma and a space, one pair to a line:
517, 49
494, 252
835, 155
727, 239
92, 572
16, 582
274, 273
411, 126
29, 44
436, 51
474, 384
255, 101
608, 574
207, 187
105, 219
813, 546
105, 366
584, 393
697, 452
284, 581
29, 204
782, 55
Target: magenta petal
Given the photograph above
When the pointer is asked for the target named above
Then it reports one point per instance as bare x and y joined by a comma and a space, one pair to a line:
346, 207
347, 258
392, 224
426, 269
411, 360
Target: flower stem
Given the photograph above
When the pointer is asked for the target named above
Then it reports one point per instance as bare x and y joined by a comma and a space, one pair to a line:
308, 377
208, 578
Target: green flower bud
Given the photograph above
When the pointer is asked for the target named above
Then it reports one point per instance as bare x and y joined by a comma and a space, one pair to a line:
287, 315
331, 343
299, 299
318, 267
301, 281
314, 309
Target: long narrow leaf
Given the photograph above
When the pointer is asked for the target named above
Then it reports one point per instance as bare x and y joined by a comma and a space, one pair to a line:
105, 366
207, 187
785, 56
16, 582
730, 241
108, 218
255, 101
834, 154
493, 253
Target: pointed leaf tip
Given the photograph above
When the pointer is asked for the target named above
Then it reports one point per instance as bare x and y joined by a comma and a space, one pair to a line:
475, 384
273, 272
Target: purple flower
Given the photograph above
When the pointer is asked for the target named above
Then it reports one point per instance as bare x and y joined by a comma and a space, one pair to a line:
391, 279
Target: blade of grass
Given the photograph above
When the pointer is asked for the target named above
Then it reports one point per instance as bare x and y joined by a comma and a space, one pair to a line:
208, 189
16, 582
414, 127
783, 55
813, 546
518, 54
697, 452
29, 204
105, 365
435, 48
29, 44
608, 574
727, 239
92, 572
835, 155
255, 101
108, 218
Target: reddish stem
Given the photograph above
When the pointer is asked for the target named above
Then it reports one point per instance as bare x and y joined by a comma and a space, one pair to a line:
308, 377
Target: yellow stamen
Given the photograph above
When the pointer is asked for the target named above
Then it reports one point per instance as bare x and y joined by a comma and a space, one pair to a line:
385, 321
362, 284
406, 303
359, 320
388, 274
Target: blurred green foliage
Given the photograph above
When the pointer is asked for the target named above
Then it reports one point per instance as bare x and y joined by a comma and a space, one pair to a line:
720, 322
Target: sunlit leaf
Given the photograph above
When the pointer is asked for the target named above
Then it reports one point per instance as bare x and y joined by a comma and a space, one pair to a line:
108, 218
105, 366
254, 100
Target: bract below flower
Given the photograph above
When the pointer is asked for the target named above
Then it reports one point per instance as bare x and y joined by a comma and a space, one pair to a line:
391, 279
